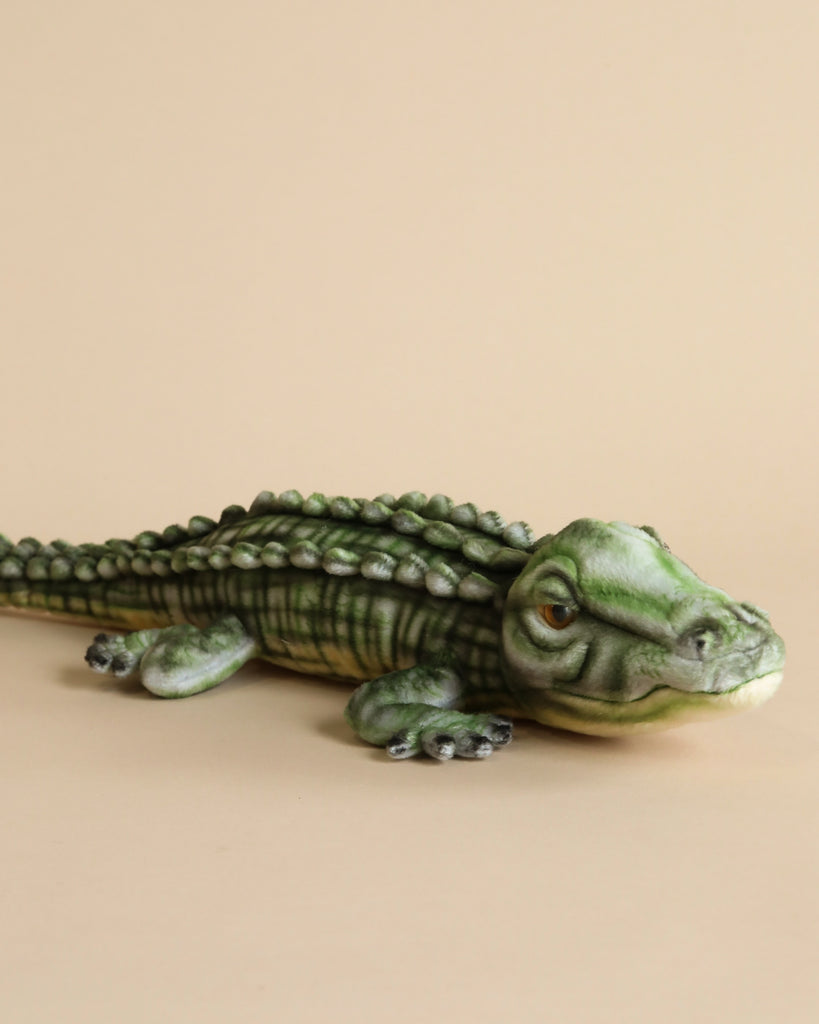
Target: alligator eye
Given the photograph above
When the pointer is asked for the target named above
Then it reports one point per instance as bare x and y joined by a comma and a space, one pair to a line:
558, 616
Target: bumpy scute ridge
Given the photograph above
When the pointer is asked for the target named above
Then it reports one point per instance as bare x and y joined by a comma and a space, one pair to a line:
482, 539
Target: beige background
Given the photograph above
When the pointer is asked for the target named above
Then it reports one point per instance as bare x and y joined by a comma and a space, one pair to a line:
558, 259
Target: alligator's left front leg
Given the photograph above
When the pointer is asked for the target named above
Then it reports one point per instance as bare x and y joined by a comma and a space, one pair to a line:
414, 710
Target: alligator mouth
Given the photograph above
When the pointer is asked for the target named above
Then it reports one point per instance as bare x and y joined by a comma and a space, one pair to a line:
662, 708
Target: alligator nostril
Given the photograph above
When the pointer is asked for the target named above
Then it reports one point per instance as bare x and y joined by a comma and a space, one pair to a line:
701, 642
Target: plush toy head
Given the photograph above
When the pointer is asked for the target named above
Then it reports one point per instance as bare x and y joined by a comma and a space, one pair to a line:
606, 632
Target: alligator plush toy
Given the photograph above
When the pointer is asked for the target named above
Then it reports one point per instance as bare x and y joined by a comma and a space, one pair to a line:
452, 618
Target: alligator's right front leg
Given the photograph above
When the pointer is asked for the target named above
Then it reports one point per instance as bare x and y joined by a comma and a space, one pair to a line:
413, 710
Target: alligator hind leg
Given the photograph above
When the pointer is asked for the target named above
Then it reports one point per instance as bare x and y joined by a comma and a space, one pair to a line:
176, 661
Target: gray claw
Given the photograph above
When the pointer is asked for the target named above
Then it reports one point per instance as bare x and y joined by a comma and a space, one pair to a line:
399, 746
441, 746
98, 657
121, 665
500, 732
474, 745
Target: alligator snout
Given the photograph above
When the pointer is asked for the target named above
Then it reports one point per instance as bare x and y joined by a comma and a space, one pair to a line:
730, 642
707, 629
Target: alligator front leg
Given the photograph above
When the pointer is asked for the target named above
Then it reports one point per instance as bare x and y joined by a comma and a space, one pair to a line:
176, 661
414, 710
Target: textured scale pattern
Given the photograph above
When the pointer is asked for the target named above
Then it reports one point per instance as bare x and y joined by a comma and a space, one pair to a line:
460, 540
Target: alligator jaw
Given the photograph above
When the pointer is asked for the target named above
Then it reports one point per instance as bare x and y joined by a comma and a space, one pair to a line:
663, 708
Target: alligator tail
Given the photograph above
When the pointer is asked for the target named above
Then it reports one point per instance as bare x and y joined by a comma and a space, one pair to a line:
72, 581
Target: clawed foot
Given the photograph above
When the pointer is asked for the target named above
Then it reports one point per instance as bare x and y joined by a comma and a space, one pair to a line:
114, 654
415, 711
475, 743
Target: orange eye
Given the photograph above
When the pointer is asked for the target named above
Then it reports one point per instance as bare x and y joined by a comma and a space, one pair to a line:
558, 616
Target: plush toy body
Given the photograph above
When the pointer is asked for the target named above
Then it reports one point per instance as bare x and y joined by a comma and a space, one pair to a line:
450, 618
